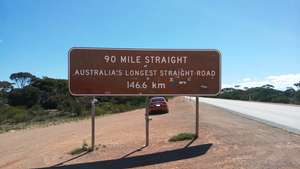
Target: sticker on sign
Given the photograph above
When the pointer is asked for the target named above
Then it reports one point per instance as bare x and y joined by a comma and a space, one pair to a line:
146, 72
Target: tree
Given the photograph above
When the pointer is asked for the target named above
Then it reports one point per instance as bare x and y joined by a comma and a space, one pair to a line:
289, 92
27, 96
22, 78
52, 91
5, 86
297, 85
297, 96
268, 86
237, 86
51, 86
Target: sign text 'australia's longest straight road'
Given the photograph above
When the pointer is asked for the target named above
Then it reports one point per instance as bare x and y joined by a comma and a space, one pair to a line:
109, 71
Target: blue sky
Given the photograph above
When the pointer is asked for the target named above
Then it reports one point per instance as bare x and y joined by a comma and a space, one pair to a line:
259, 40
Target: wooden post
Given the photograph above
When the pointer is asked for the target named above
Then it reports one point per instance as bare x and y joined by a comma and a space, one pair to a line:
197, 117
147, 121
93, 123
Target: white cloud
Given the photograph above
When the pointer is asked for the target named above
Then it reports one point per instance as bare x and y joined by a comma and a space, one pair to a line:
280, 82
247, 79
226, 85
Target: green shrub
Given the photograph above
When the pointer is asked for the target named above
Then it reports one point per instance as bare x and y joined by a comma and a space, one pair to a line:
27, 96
84, 148
107, 106
100, 111
281, 99
21, 116
49, 102
14, 115
182, 137
69, 104
76, 108
31, 102
297, 97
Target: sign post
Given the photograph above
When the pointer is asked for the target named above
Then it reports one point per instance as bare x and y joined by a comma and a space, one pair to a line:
197, 117
93, 123
147, 122
144, 72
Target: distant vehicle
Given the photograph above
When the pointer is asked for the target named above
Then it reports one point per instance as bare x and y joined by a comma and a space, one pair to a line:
158, 105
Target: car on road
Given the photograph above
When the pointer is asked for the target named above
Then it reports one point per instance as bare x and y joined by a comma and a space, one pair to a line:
157, 105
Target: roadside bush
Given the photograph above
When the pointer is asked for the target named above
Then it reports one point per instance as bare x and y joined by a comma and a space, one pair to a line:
21, 115
265, 93
37, 110
49, 102
182, 137
68, 104
28, 96
3, 100
235, 95
46, 99
122, 108
14, 115
84, 148
2, 104
290, 92
100, 111
297, 97
107, 106
280, 99
76, 108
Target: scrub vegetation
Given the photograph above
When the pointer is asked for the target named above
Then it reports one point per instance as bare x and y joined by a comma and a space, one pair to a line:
265, 93
29, 100
84, 148
182, 137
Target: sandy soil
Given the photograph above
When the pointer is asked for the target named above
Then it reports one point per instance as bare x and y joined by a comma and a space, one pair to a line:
226, 141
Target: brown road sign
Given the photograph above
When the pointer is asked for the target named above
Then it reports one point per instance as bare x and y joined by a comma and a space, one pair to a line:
148, 72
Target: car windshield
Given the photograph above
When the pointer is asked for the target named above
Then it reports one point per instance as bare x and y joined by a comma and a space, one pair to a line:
157, 100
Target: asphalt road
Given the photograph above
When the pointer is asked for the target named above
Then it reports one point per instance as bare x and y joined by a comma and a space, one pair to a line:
278, 115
